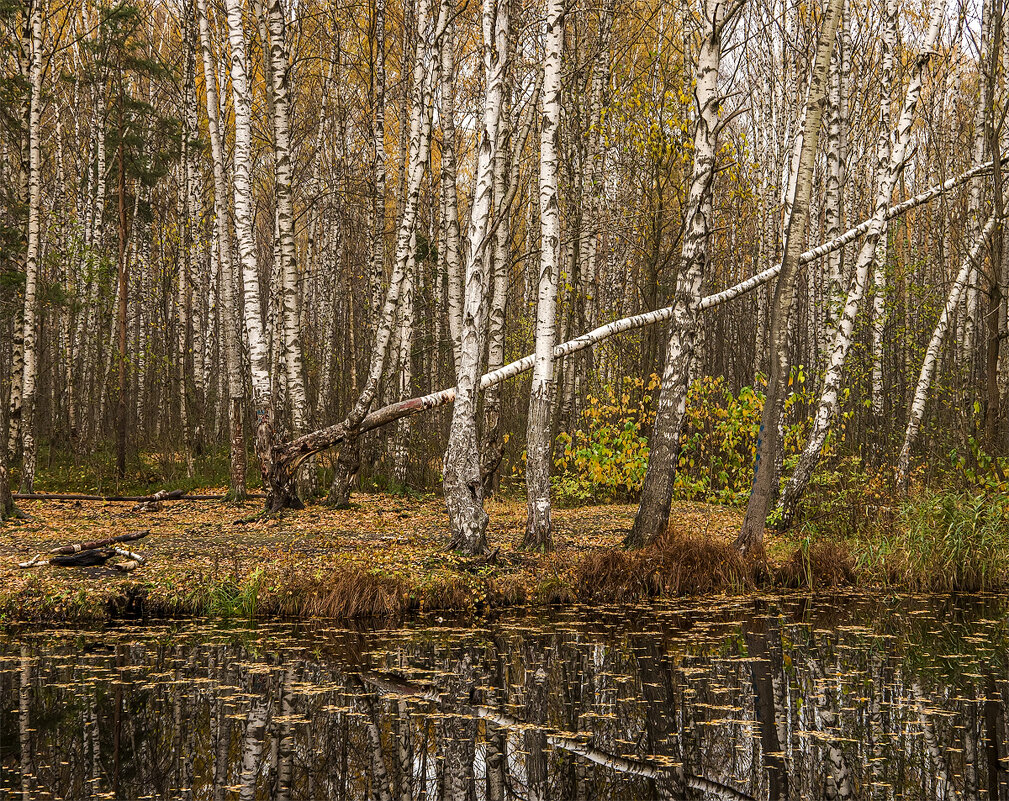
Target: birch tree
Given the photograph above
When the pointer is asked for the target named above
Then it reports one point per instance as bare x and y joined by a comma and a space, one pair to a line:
463, 484
30, 336
450, 200
829, 397
538, 440
769, 440
652, 517
932, 352
222, 227
879, 257
837, 109
291, 326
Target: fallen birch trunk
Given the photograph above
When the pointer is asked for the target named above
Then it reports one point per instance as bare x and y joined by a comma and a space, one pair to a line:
287, 457
172, 495
848, 236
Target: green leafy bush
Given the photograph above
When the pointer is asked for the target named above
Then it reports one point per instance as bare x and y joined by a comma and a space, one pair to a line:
606, 459
719, 442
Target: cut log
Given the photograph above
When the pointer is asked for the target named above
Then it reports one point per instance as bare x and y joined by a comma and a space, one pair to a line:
132, 557
154, 503
97, 556
128, 566
61, 553
102, 543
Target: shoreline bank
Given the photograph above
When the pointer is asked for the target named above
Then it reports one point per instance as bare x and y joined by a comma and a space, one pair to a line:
385, 557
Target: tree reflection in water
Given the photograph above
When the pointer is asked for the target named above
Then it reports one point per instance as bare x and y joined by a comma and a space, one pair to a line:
768, 698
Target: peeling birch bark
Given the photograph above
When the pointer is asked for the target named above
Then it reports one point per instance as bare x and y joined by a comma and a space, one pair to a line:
879, 256
32, 267
235, 383
463, 484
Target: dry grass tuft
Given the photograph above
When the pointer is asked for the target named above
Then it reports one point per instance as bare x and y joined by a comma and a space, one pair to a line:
680, 564
821, 565
350, 592
676, 564
507, 590
447, 593
608, 575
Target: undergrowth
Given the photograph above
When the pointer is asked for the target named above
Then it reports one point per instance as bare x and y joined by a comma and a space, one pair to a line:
235, 597
943, 542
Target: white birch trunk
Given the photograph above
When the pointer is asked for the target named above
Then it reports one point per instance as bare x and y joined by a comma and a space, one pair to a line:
879, 256
849, 236
259, 356
450, 200
378, 145
421, 114
405, 378
23, 60
289, 326
187, 175
657, 491
769, 439
538, 446
425, 74
290, 329
463, 485
232, 360
492, 444
30, 336
834, 200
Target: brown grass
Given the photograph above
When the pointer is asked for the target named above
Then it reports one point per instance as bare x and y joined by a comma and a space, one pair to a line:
823, 565
676, 564
346, 593
383, 558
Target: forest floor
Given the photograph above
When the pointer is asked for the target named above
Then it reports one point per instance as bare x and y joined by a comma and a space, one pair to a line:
384, 556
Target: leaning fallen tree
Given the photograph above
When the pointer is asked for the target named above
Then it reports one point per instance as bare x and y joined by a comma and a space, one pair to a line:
934, 349
285, 458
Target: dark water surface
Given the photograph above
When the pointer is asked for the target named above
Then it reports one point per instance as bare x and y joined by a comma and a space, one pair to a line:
858, 697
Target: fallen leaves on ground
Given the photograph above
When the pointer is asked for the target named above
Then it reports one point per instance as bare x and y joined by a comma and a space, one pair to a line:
385, 555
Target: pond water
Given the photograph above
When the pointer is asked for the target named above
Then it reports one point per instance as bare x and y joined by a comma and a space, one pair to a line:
794, 697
